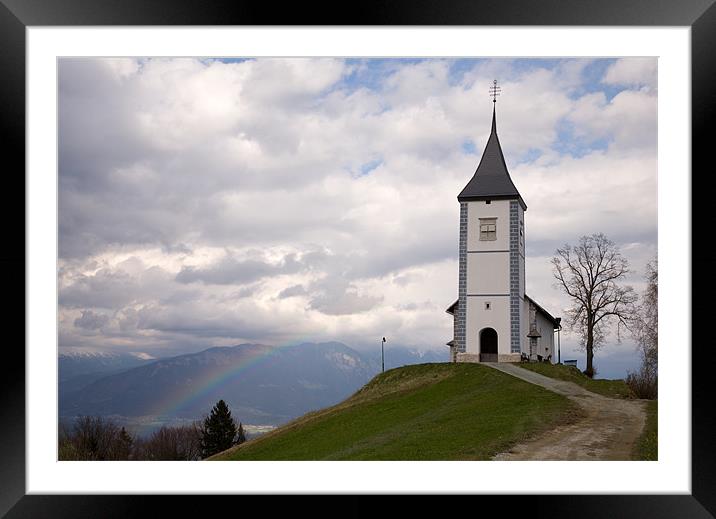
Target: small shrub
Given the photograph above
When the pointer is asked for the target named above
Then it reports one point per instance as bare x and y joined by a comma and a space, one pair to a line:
67, 451
643, 383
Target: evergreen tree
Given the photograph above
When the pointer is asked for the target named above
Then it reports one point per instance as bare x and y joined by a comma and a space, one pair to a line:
218, 430
124, 444
240, 436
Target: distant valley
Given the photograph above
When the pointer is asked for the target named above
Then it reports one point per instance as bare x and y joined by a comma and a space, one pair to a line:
263, 385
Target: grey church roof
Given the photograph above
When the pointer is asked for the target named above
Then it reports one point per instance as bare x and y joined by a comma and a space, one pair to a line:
544, 312
451, 309
491, 180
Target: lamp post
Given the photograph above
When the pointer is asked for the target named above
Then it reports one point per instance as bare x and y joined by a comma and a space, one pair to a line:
382, 356
559, 348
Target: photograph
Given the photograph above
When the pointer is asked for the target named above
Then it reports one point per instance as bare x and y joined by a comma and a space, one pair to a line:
357, 258
413, 250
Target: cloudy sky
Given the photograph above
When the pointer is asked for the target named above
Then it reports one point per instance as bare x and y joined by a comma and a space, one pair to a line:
211, 202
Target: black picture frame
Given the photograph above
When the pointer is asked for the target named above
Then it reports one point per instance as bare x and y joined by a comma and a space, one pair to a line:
17, 15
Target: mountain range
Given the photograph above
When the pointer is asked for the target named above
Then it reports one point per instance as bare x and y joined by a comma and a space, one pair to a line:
78, 368
263, 385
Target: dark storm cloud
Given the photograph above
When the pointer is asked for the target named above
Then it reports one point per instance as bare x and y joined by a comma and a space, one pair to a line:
393, 257
114, 288
230, 270
336, 296
191, 320
293, 291
91, 321
104, 289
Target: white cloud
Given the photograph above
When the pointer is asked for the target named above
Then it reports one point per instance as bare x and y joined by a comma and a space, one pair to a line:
600, 192
633, 72
628, 121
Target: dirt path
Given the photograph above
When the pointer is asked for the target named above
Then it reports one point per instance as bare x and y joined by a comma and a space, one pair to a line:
607, 432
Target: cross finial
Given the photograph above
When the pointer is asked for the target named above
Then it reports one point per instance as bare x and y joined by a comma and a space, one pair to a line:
494, 91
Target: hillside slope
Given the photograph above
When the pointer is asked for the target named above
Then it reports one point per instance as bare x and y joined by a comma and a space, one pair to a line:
421, 412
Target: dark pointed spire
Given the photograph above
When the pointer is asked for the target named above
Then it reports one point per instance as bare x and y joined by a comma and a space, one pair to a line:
491, 180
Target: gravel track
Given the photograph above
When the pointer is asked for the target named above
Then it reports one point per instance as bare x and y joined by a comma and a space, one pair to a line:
608, 431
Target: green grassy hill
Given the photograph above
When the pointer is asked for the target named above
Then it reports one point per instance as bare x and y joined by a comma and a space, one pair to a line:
421, 412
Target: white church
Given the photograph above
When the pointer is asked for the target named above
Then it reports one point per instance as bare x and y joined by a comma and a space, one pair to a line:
493, 319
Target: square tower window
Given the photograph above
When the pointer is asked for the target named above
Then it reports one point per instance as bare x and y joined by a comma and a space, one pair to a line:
487, 305
488, 229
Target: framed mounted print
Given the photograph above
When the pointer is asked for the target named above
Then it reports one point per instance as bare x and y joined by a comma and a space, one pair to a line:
419, 257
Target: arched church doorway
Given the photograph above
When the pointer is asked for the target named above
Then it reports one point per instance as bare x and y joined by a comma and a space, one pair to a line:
488, 345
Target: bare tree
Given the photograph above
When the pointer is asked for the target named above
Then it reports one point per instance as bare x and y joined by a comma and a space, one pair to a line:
589, 273
100, 438
646, 330
646, 333
92, 438
171, 444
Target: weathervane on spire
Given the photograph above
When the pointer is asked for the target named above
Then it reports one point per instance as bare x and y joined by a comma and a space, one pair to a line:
494, 90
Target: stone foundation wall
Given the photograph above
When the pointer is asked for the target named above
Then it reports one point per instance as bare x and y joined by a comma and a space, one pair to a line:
510, 357
475, 357
468, 357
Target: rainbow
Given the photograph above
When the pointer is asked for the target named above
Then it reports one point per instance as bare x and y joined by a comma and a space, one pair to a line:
185, 396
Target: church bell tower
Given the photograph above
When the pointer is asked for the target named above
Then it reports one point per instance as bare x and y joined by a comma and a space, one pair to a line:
489, 324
